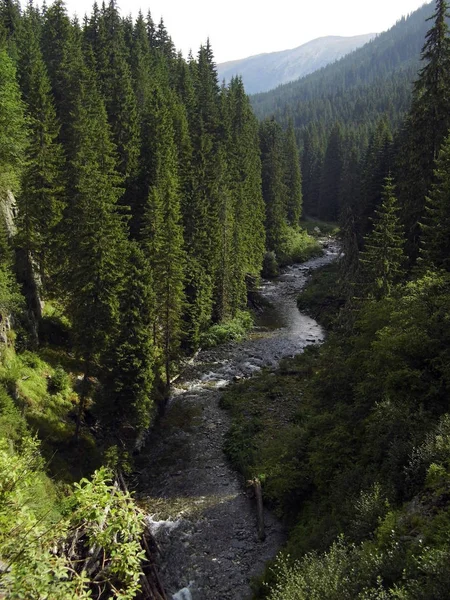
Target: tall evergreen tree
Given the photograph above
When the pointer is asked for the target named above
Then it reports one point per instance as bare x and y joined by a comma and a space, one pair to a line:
311, 169
376, 167
127, 401
12, 126
293, 177
162, 239
41, 201
95, 232
117, 89
382, 260
244, 165
201, 215
273, 186
427, 125
435, 241
331, 178
56, 32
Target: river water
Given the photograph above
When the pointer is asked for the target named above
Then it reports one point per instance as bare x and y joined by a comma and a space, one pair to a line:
199, 509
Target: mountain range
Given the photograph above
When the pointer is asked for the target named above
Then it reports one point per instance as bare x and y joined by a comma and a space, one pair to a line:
264, 72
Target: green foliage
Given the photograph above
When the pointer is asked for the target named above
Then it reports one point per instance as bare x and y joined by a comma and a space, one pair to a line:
12, 126
381, 262
39, 565
227, 331
435, 249
59, 381
270, 266
298, 246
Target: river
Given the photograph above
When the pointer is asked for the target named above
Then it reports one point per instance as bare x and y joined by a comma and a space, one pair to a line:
199, 510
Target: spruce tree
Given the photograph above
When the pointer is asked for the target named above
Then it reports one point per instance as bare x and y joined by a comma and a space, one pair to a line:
382, 260
95, 232
162, 240
273, 186
41, 200
293, 177
12, 127
116, 86
201, 215
427, 125
56, 33
331, 178
435, 240
376, 167
244, 164
127, 401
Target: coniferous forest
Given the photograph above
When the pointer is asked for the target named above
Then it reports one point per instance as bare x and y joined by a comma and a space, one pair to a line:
141, 202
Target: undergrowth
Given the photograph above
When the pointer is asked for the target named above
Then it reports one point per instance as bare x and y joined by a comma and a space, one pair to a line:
227, 331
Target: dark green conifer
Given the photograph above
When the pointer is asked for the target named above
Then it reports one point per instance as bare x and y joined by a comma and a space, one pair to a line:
244, 164
127, 405
41, 201
435, 241
427, 125
382, 261
95, 232
12, 126
162, 239
116, 87
331, 178
293, 177
273, 186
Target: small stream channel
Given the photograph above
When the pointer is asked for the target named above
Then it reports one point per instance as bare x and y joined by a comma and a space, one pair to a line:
199, 511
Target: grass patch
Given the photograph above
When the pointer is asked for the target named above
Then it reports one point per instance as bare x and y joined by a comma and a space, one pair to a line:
227, 331
43, 394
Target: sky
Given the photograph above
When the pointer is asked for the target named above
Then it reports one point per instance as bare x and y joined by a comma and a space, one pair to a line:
241, 28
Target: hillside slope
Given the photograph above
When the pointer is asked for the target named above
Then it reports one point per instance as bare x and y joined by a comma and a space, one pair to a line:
392, 58
264, 72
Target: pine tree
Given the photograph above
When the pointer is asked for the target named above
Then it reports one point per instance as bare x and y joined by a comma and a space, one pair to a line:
331, 178
10, 17
435, 241
12, 126
273, 186
311, 169
127, 400
293, 177
382, 261
117, 89
95, 232
56, 33
162, 240
427, 125
244, 165
41, 201
376, 167
201, 215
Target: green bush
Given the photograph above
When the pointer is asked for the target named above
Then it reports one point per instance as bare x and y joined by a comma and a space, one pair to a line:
270, 265
227, 331
58, 382
299, 247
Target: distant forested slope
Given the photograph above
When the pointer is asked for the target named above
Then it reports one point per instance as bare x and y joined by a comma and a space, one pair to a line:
264, 72
349, 97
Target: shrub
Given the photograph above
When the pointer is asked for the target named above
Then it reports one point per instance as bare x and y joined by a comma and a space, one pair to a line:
58, 382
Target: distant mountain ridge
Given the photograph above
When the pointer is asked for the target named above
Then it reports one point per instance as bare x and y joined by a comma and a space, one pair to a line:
264, 72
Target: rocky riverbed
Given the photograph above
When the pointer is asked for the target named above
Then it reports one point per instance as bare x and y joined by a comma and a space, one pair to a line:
199, 509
